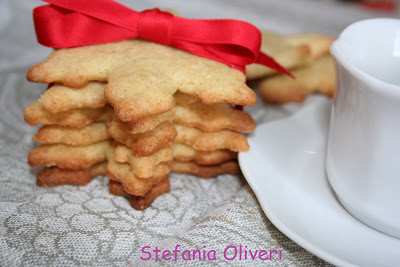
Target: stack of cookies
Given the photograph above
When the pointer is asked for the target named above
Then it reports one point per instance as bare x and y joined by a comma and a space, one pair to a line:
74, 139
208, 137
306, 56
135, 111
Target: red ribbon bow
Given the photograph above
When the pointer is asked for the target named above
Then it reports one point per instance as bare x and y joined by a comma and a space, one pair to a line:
76, 23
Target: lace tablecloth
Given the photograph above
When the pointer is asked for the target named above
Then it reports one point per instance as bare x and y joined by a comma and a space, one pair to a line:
86, 225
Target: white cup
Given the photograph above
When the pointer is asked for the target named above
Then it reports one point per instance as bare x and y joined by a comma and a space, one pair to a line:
363, 154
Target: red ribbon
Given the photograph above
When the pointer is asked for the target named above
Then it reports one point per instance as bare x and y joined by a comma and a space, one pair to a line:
72, 23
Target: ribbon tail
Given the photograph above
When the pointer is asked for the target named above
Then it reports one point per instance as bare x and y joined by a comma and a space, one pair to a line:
265, 60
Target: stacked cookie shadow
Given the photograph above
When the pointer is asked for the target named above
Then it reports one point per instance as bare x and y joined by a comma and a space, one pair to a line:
306, 56
136, 111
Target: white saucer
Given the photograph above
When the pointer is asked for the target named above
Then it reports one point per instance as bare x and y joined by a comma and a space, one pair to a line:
285, 167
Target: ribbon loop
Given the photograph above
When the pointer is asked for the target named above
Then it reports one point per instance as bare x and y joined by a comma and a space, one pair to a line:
155, 25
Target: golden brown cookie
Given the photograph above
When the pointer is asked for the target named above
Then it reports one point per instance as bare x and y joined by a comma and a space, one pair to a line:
285, 53
60, 98
185, 153
143, 167
213, 118
89, 134
116, 188
203, 141
69, 157
151, 122
143, 202
54, 176
36, 114
318, 77
132, 184
318, 44
142, 76
205, 171
182, 99
143, 144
